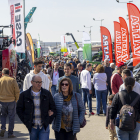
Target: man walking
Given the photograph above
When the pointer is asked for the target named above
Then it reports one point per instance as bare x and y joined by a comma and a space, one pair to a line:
79, 70
36, 109
116, 79
74, 79
85, 80
55, 74
9, 94
37, 71
108, 72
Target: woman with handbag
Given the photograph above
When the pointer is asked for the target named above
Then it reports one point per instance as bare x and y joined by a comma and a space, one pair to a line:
70, 112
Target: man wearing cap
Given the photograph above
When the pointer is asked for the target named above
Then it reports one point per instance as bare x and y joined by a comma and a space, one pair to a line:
116, 79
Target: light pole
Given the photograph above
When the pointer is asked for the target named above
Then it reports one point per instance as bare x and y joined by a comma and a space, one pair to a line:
89, 31
98, 20
124, 2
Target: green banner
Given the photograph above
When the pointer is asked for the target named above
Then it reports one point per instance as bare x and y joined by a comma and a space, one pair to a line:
87, 52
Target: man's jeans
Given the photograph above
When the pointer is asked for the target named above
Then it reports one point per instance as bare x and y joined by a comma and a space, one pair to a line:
8, 109
53, 90
40, 134
109, 88
87, 96
101, 95
128, 135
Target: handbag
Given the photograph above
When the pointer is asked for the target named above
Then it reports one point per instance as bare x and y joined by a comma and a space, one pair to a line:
84, 122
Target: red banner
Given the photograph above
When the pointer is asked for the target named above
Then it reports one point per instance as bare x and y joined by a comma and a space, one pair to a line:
134, 25
106, 44
125, 39
117, 42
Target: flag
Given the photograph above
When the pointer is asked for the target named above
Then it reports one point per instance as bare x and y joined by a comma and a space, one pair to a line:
17, 20
117, 42
106, 44
134, 26
63, 44
125, 39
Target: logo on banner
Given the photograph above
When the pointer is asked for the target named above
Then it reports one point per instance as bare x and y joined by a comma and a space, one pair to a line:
18, 24
106, 47
136, 34
124, 45
118, 46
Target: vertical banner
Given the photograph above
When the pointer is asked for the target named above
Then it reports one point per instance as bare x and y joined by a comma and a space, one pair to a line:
63, 44
17, 20
32, 46
125, 39
134, 25
87, 53
29, 51
106, 44
117, 42
38, 49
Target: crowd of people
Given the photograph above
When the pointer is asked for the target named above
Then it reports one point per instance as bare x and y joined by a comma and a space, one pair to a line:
58, 90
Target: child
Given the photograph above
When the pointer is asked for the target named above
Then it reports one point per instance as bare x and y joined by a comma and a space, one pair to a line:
112, 133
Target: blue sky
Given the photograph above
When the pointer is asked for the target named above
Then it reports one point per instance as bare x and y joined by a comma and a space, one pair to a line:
54, 18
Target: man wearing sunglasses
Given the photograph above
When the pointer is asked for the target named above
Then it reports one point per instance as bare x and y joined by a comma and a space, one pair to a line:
74, 79
116, 79
36, 109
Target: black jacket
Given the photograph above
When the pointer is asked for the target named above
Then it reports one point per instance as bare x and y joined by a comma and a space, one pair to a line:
25, 108
50, 72
117, 104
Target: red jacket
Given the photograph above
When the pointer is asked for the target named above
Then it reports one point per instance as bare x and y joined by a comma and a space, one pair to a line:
116, 81
50, 64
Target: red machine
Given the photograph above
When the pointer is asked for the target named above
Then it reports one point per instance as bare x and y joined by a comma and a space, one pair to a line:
7, 53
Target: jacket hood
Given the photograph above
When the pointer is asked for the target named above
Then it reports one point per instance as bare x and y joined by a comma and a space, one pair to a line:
39, 74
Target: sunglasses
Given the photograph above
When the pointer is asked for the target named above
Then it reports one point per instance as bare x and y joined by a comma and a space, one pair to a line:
62, 84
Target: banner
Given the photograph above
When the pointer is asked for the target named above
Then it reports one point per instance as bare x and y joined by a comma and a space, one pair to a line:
106, 44
117, 42
63, 44
134, 26
125, 39
38, 49
17, 20
87, 52
32, 46
29, 51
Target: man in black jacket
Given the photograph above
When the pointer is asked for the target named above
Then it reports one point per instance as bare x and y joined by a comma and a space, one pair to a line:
36, 109
55, 74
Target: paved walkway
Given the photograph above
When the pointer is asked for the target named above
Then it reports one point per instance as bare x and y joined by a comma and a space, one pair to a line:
94, 130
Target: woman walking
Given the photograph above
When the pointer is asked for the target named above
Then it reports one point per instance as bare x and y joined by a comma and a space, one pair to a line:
99, 81
70, 111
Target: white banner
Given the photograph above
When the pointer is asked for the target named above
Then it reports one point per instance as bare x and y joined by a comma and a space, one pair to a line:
86, 38
17, 20
63, 44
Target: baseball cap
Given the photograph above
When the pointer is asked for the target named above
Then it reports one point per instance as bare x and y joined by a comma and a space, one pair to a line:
120, 64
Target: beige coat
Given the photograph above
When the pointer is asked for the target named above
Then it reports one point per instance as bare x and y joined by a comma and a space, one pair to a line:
9, 90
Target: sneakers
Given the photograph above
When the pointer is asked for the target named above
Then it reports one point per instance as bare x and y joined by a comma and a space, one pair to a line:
90, 113
12, 136
2, 133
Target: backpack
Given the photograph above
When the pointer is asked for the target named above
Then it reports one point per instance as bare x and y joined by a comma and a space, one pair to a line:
127, 114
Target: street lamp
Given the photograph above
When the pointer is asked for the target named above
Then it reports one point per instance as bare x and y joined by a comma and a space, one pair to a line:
124, 2
90, 30
98, 20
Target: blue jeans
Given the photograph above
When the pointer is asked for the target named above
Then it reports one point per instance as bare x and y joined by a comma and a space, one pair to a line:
128, 135
87, 96
53, 90
40, 134
101, 94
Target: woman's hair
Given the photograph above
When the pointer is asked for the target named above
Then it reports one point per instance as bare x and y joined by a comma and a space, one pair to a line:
70, 85
44, 70
100, 69
129, 82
